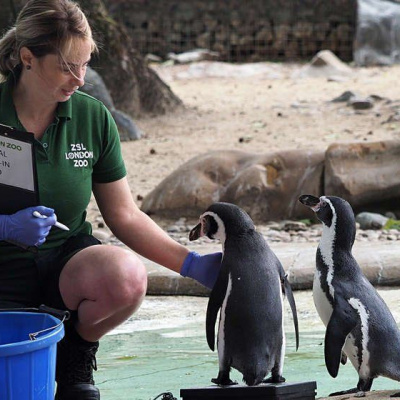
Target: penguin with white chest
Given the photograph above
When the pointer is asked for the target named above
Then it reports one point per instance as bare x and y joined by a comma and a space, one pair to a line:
358, 322
249, 294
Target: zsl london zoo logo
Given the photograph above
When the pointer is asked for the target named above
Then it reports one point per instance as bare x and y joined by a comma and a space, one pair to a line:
79, 155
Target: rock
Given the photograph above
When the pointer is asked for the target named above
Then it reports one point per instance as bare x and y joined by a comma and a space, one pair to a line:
377, 40
152, 58
376, 97
294, 226
245, 139
101, 234
267, 186
365, 174
193, 56
324, 64
344, 97
359, 103
390, 215
356, 101
277, 236
369, 220
173, 229
128, 130
337, 79
95, 86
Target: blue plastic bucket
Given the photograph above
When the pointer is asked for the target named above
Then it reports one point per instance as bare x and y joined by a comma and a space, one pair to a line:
28, 367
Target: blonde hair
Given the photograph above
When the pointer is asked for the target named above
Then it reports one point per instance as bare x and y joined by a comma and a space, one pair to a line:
44, 27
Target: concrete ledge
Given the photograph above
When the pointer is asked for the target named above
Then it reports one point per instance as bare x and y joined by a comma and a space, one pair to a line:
380, 262
170, 283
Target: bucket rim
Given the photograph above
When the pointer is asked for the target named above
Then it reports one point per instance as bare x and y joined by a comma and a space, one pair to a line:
25, 346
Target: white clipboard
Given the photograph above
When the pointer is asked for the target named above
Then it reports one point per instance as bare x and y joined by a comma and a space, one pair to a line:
18, 176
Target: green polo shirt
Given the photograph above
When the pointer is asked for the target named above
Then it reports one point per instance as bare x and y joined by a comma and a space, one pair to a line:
80, 147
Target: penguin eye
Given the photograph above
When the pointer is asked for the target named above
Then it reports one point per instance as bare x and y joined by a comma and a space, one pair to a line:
323, 203
210, 226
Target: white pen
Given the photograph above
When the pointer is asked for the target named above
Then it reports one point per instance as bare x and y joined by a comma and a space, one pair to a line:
57, 224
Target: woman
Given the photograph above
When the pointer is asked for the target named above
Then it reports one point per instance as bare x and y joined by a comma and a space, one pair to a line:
43, 60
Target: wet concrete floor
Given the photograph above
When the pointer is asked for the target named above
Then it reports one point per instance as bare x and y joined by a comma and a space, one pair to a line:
163, 348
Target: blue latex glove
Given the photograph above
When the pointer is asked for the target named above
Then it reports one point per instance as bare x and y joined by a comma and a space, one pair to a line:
22, 227
203, 269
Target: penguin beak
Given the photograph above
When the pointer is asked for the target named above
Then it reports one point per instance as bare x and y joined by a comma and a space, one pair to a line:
195, 233
310, 201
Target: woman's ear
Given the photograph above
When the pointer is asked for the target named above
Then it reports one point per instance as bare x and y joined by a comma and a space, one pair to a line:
26, 57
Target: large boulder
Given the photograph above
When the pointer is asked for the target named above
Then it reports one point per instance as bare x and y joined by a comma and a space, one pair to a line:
265, 185
95, 86
365, 174
377, 40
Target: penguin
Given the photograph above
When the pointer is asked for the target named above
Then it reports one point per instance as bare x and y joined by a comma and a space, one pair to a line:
359, 325
249, 294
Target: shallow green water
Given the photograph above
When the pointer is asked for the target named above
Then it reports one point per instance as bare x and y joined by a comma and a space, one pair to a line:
142, 364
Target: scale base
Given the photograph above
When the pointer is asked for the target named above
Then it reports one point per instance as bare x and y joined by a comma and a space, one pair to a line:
264, 391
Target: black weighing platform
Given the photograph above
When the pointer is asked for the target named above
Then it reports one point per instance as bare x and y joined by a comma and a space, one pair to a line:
264, 391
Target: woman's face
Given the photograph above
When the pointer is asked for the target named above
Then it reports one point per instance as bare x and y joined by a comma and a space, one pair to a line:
56, 78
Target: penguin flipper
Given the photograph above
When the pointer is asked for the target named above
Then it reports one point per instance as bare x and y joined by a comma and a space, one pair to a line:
287, 290
215, 301
342, 322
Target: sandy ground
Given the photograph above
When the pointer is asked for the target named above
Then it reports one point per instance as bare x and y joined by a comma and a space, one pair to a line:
257, 108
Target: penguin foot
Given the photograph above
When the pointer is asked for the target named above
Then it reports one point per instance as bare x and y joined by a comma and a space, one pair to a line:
360, 394
223, 382
274, 379
349, 391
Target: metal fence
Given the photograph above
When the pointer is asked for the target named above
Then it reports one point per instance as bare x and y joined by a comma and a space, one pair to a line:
255, 30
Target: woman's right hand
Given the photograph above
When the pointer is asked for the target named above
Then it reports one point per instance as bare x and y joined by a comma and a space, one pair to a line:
202, 268
24, 228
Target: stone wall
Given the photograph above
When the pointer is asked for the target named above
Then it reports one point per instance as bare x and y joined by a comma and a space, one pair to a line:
250, 30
